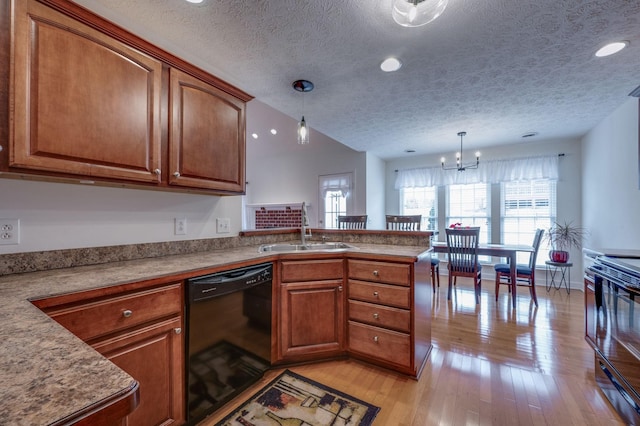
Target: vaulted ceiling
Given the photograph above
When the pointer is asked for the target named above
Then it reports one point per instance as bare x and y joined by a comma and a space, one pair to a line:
496, 69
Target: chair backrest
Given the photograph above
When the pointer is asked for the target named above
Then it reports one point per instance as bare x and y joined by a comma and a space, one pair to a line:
536, 245
462, 245
404, 223
352, 222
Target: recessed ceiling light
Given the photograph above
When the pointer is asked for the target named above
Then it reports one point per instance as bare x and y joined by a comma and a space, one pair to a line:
390, 65
611, 48
254, 135
274, 132
195, 1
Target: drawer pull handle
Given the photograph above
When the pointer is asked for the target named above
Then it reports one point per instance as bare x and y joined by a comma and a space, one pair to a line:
376, 316
127, 313
375, 273
375, 294
375, 339
177, 330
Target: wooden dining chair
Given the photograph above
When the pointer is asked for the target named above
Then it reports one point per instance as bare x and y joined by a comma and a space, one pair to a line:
404, 222
462, 249
352, 222
435, 268
525, 274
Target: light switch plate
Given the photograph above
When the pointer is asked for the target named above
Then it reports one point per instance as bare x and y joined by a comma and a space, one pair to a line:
223, 225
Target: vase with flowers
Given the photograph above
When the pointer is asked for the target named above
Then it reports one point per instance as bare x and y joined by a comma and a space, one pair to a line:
562, 238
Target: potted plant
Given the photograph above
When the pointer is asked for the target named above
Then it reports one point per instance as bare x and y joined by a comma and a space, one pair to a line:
562, 238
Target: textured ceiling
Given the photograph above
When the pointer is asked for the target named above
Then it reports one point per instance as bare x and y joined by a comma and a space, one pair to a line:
494, 68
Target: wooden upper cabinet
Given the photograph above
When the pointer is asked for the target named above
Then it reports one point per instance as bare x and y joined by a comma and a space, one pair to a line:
84, 103
206, 137
88, 99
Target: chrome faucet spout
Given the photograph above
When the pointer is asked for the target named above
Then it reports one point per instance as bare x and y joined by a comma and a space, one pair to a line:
304, 227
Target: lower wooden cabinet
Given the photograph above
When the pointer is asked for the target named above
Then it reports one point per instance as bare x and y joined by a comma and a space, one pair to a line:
153, 356
389, 310
311, 324
140, 329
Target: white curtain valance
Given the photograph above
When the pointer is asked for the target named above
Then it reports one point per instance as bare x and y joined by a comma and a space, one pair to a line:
494, 171
338, 183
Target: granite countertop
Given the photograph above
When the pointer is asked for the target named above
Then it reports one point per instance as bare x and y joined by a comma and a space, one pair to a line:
47, 373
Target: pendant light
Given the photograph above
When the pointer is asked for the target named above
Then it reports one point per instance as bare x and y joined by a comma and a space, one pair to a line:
303, 130
460, 166
414, 13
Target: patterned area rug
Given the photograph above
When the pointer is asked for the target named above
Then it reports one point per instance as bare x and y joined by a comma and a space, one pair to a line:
291, 399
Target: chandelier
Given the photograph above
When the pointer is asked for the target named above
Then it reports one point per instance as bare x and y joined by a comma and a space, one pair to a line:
414, 13
303, 130
460, 165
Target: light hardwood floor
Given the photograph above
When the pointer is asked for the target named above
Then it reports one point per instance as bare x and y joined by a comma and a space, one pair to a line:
489, 366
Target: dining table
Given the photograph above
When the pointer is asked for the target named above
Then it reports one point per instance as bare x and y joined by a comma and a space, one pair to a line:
507, 251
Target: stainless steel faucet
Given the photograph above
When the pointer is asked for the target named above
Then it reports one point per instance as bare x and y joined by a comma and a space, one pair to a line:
304, 230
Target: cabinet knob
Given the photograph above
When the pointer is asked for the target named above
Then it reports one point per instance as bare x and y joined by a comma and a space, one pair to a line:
375, 273
127, 313
177, 330
375, 294
375, 339
376, 316
339, 288
157, 171
177, 174
0, 148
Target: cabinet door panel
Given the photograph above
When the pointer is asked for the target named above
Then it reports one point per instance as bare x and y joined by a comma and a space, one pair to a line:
154, 357
312, 317
84, 103
207, 137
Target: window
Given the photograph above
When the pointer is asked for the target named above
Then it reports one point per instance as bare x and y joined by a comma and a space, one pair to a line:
422, 201
526, 206
334, 198
469, 205
335, 204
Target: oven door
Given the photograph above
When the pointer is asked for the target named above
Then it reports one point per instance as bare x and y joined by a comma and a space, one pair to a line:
618, 336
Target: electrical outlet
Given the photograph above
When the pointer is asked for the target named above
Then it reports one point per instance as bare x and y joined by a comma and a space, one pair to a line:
180, 226
223, 225
9, 231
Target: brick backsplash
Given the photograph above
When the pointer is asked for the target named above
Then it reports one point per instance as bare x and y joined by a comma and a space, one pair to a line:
278, 218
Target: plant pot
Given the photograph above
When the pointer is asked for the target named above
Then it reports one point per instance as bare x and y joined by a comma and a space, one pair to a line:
559, 256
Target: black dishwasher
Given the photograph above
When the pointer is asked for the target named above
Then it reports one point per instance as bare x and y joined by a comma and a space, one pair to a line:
228, 336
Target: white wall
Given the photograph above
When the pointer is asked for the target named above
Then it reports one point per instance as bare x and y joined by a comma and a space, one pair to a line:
281, 171
62, 216
375, 192
611, 195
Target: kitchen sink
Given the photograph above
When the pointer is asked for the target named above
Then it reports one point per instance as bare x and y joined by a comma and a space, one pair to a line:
285, 247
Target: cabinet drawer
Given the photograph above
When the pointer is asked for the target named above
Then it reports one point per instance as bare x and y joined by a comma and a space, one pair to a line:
379, 315
310, 270
93, 319
386, 345
380, 293
382, 272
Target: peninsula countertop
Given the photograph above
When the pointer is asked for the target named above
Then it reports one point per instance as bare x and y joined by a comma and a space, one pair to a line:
47, 373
